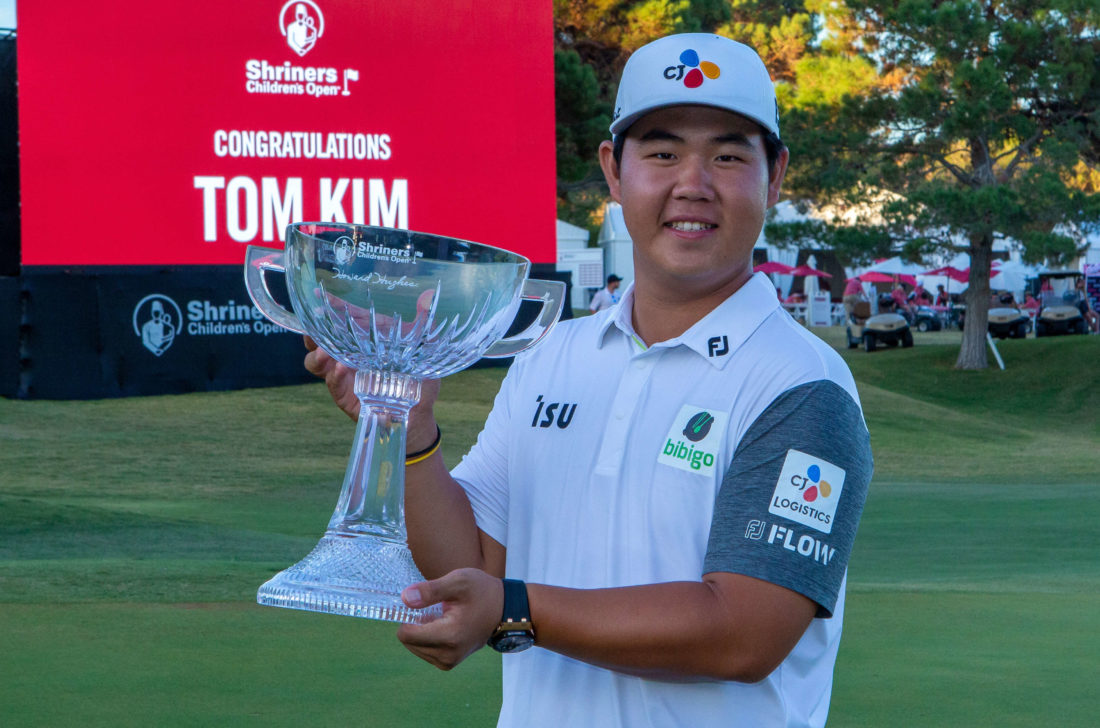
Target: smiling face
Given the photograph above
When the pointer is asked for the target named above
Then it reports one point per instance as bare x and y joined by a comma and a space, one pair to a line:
694, 184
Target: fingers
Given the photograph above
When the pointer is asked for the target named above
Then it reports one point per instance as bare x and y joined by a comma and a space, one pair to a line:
339, 379
472, 604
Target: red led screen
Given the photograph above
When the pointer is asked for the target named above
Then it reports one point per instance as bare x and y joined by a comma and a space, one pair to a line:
177, 133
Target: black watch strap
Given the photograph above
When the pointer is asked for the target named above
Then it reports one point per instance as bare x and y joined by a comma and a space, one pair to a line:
515, 632
516, 608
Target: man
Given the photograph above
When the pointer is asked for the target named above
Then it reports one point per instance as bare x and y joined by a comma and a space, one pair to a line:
681, 547
606, 297
853, 294
901, 301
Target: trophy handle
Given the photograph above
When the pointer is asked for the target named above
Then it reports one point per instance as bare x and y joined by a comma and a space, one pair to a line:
256, 261
552, 295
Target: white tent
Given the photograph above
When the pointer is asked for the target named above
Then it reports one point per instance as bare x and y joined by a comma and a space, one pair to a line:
894, 266
584, 263
1012, 276
618, 248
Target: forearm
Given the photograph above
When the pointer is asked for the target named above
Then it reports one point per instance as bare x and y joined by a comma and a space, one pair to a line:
442, 532
739, 629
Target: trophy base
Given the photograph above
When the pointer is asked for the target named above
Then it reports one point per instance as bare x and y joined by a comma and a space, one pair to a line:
354, 576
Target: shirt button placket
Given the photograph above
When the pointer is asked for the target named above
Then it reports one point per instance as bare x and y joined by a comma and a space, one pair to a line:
631, 384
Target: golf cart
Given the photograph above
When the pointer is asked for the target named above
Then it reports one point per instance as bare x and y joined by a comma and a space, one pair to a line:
1059, 312
890, 329
927, 318
1008, 322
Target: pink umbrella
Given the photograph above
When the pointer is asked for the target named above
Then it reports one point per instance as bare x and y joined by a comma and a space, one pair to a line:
876, 277
962, 276
805, 270
773, 266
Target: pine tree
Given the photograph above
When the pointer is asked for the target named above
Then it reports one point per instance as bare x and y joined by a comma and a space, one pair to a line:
983, 120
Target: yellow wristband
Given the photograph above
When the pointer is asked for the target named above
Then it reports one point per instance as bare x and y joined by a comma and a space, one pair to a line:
416, 457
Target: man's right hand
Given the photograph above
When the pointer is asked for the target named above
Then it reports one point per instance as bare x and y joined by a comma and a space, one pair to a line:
340, 380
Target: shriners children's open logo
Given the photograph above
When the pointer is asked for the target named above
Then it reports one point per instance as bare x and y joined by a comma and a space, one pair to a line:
691, 70
301, 23
156, 321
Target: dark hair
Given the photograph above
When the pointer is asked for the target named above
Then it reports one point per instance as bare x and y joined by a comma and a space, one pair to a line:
773, 146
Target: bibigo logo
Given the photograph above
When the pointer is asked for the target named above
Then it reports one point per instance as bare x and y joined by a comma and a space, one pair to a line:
694, 440
699, 70
807, 480
301, 23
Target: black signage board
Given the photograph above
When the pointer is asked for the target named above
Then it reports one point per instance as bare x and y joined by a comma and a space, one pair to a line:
90, 333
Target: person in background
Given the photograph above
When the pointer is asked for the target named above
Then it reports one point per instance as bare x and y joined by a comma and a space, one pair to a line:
901, 301
1084, 304
606, 297
942, 299
853, 294
921, 297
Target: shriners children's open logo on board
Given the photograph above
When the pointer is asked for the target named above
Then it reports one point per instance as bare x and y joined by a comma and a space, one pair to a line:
694, 440
156, 321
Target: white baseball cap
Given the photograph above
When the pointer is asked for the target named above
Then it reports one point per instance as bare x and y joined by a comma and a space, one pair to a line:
695, 68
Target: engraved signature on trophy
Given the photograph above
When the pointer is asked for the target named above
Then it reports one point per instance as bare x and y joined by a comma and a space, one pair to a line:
375, 278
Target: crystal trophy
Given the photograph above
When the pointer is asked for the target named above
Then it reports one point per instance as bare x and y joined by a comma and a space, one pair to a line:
397, 307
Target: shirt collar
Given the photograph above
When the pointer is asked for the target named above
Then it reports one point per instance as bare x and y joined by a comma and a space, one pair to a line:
618, 316
718, 334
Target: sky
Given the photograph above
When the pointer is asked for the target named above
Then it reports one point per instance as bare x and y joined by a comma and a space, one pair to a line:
7, 13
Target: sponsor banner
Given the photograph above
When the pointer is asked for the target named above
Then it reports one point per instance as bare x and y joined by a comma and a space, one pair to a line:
91, 333
175, 134
148, 331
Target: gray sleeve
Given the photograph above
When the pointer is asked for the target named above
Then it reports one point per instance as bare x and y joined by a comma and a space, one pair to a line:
790, 502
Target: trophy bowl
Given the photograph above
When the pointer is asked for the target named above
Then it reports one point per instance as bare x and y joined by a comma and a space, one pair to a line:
397, 307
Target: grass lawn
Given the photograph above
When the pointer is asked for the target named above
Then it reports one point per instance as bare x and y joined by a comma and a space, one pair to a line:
134, 533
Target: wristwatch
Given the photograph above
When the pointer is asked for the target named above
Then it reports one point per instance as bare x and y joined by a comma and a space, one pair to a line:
515, 632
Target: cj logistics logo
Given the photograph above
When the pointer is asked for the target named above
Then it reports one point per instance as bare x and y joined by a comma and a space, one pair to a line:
691, 70
808, 491
813, 485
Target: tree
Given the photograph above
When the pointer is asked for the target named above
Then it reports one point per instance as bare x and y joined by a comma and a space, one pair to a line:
983, 120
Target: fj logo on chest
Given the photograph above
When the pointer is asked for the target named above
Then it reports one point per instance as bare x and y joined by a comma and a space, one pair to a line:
550, 413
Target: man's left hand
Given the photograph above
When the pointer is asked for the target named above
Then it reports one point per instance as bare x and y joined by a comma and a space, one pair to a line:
473, 602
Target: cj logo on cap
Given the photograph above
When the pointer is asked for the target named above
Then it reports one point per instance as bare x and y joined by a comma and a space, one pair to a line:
693, 78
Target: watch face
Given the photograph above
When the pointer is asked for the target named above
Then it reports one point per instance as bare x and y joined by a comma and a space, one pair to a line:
513, 641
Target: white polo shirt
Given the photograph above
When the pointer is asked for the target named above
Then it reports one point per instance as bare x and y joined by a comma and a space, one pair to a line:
738, 446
